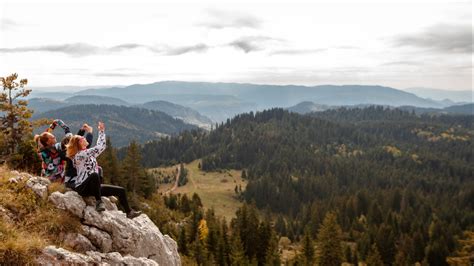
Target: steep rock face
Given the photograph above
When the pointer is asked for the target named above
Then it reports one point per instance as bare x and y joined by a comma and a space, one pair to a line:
108, 237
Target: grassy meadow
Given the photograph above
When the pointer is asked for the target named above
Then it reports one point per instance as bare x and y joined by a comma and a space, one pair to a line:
216, 189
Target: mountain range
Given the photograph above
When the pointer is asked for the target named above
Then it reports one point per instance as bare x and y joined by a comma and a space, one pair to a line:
188, 115
309, 107
220, 101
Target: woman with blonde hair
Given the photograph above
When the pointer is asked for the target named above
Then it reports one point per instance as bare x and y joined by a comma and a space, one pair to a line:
87, 182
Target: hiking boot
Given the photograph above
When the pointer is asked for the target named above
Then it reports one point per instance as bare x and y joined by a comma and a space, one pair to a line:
132, 214
99, 206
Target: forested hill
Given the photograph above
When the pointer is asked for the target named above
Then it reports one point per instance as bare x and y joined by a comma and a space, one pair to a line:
396, 180
123, 123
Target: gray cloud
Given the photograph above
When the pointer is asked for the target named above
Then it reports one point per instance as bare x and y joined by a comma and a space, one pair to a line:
448, 38
252, 43
74, 49
297, 51
223, 19
127, 46
84, 49
199, 48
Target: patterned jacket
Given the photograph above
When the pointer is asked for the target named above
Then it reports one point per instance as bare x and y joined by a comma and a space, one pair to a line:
85, 161
51, 157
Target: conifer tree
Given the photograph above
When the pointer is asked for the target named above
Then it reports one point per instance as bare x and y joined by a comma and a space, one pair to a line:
15, 128
374, 258
14, 122
132, 168
237, 252
272, 257
110, 165
329, 241
308, 248
182, 241
199, 252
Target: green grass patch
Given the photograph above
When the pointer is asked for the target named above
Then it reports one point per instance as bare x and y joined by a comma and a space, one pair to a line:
216, 189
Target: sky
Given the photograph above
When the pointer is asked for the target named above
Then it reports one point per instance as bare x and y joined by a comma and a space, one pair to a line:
400, 44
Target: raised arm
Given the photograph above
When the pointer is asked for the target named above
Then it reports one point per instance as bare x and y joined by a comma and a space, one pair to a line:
86, 131
101, 145
59, 122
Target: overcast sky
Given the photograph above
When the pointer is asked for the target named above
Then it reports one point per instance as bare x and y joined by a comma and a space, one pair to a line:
400, 44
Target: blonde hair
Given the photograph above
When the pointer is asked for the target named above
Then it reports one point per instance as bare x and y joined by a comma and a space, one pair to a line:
73, 146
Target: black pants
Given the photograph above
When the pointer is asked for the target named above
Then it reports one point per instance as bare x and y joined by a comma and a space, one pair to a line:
92, 187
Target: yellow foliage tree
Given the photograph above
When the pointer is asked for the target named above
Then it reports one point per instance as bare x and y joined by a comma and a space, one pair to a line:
465, 252
203, 230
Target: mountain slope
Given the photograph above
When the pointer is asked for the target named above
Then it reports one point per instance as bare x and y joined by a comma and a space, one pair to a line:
440, 95
186, 114
467, 109
266, 96
95, 99
39, 105
123, 123
307, 107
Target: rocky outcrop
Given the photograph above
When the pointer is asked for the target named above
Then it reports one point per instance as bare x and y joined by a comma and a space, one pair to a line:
106, 238
58, 256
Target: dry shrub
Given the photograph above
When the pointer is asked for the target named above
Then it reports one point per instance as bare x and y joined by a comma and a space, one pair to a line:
52, 222
56, 186
18, 247
19, 199
224, 180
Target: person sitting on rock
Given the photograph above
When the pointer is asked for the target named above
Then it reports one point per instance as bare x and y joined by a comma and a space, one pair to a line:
49, 150
70, 170
87, 182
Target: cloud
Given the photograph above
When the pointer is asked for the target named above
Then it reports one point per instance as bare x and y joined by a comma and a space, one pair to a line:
6, 24
84, 49
297, 51
127, 46
252, 43
187, 49
447, 38
74, 49
402, 63
220, 19
119, 74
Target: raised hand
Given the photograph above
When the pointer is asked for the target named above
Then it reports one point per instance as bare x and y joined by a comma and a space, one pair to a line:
101, 126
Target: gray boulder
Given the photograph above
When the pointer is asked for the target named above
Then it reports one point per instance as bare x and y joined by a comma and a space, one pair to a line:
70, 201
39, 185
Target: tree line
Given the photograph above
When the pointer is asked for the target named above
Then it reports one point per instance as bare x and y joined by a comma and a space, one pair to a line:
400, 184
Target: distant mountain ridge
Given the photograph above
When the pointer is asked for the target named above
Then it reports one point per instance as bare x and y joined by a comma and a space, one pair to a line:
220, 101
309, 107
267, 96
123, 123
465, 96
186, 114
